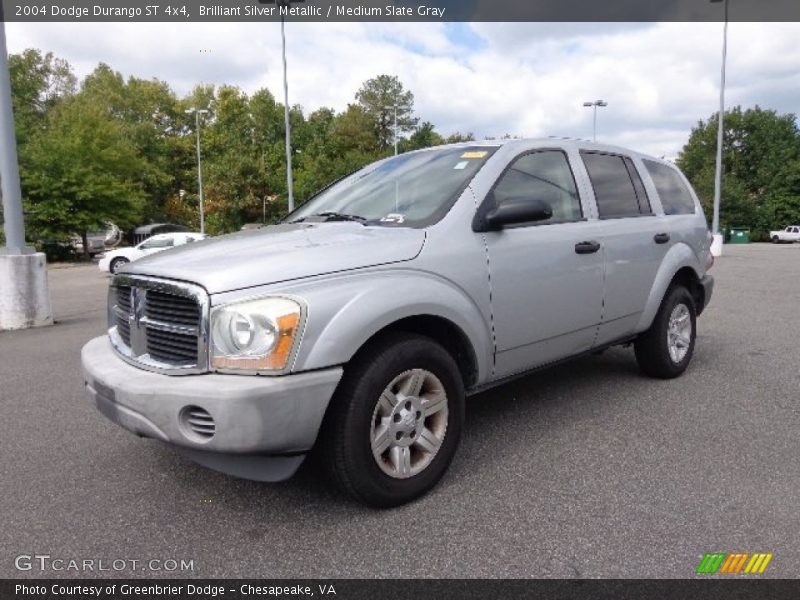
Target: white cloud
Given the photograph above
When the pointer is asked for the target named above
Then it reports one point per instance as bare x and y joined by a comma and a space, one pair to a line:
490, 78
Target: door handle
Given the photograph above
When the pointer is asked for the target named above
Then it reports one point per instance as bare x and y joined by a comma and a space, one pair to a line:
661, 238
587, 247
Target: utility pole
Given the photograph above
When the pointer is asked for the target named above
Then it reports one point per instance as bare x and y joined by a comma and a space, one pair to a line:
716, 245
394, 132
283, 6
395, 129
24, 295
197, 112
289, 180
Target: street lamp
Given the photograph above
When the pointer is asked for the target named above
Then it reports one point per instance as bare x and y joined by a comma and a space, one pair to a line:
283, 7
594, 105
716, 245
197, 112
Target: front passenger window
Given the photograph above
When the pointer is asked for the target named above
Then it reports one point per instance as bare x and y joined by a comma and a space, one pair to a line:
543, 175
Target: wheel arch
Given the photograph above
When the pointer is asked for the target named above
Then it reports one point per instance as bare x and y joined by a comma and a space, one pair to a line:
442, 331
679, 266
347, 316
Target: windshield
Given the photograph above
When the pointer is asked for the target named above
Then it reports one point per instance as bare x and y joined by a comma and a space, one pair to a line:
410, 190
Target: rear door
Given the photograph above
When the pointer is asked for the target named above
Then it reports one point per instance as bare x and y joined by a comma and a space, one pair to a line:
634, 238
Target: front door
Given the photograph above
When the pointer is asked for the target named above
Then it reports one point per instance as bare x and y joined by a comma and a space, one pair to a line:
546, 277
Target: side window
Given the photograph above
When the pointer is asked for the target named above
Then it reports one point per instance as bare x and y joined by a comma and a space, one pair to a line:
158, 243
675, 196
615, 181
638, 186
544, 175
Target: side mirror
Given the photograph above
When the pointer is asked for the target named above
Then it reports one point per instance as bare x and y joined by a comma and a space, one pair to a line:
516, 210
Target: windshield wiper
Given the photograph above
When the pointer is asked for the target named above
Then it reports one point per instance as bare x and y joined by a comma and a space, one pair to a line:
334, 216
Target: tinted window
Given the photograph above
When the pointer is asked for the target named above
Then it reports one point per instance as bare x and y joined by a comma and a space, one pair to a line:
541, 176
638, 187
613, 187
675, 196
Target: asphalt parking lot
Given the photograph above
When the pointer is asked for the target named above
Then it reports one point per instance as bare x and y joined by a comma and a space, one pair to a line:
586, 470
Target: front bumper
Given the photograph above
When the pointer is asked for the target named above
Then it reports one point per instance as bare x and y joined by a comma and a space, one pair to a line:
254, 417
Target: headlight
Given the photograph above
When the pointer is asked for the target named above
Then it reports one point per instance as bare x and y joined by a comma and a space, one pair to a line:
255, 335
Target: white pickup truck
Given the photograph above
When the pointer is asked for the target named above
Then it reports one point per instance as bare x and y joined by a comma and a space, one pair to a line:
790, 234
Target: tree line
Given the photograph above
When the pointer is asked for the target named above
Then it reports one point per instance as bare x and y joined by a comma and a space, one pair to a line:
761, 169
123, 150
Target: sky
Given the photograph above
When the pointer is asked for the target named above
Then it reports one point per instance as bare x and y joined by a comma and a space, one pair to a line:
524, 79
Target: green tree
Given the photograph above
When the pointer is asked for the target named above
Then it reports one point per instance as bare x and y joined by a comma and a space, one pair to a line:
378, 97
424, 136
79, 171
235, 180
147, 111
458, 137
761, 166
38, 82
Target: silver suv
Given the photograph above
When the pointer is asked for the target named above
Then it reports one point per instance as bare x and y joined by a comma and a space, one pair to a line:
358, 325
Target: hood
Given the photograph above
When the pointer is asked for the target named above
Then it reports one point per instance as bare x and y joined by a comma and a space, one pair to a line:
281, 253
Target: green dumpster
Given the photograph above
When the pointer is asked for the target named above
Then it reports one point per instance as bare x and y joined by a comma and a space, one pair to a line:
740, 235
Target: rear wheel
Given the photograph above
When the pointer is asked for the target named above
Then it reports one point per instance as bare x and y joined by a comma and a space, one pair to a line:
394, 424
666, 349
117, 264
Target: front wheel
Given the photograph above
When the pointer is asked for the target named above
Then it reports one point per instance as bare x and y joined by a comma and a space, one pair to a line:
775, 239
394, 424
665, 350
117, 264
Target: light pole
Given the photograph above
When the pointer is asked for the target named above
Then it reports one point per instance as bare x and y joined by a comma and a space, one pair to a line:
594, 106
9, 166
197, 112
24, 296
283, 7
716, 245
394, 132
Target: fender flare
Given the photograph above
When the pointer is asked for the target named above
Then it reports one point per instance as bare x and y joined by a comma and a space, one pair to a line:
677, 258
374, 302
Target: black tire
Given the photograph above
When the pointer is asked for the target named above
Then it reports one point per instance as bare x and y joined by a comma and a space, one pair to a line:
775, 239
117, 264
345, 442
652, 347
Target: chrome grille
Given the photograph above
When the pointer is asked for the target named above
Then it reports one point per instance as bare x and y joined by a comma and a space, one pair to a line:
123, 297
159, 325
171, 309
171, 347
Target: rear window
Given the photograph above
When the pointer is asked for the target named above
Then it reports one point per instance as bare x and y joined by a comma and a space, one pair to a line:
617, 187
673, 191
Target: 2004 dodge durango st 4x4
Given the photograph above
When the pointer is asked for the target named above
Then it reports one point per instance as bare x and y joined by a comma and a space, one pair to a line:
358, 325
